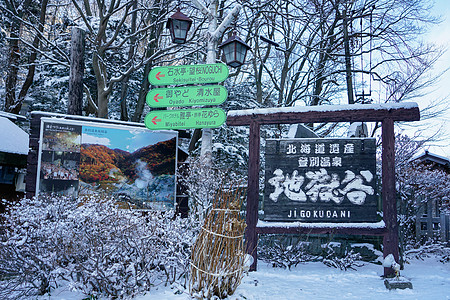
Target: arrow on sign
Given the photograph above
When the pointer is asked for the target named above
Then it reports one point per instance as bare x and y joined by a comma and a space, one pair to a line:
156, 97
154, 120
159, 75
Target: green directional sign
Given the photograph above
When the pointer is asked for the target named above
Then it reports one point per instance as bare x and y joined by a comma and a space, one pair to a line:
187, 96
190, 74
186, 118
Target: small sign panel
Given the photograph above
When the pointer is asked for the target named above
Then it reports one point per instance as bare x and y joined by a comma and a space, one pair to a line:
320, 180
189, 74
187, 96
187, 118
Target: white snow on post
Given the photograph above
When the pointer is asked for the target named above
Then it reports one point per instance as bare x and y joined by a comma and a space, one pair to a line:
12, 138
389, 262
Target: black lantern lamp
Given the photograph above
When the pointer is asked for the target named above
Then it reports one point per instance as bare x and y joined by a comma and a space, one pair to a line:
179, 25
234, 50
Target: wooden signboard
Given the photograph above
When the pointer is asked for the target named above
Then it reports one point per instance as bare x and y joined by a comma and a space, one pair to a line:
320, 180
387, 114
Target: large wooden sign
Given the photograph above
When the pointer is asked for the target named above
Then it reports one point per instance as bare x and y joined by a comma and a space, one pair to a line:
320, 180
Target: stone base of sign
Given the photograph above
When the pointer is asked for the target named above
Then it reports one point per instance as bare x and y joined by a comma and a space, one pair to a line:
398, 283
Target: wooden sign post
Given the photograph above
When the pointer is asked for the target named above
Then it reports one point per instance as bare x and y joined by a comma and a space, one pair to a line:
385, 113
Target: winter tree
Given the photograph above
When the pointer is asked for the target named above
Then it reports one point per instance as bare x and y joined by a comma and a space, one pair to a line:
416, 184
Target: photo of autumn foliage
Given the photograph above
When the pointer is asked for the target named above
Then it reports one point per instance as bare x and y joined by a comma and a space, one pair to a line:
137, 166
99, 163
133, 164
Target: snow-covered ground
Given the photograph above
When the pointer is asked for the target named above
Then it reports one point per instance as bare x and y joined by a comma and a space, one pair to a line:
430, 279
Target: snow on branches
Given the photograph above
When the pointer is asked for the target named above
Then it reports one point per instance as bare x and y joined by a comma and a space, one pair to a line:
92, 246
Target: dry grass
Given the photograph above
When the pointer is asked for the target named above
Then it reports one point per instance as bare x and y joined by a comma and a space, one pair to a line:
218, 253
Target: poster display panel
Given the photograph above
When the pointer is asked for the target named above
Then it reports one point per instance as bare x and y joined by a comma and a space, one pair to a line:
134, 164
320, 180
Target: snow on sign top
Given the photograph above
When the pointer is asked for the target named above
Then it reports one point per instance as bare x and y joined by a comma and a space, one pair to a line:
372, 225
322, 108
13, 138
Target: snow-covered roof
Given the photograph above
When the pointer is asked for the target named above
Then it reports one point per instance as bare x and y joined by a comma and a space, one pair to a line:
300, 131
85, 118
431, 157
11, 116
12, 138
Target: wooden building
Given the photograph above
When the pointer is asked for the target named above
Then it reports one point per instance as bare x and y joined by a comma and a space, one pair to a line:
431, 221
13, 158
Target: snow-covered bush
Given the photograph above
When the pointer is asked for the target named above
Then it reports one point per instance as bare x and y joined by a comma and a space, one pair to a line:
282, 255
218, 258
430, 249
92, 246
202, 182
350, 260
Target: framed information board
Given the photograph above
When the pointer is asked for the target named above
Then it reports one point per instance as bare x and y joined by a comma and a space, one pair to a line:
320, 180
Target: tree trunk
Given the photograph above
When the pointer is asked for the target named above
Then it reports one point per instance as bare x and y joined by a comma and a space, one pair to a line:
31, 61
348, 63
75, 105
101, 77
154, 33
11, 105
103, 98
145, 85
206, 149
12, 69
124, 86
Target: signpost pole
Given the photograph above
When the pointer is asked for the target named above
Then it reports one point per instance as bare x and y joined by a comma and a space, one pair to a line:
206, 149
215, 31
390, 240
253, 192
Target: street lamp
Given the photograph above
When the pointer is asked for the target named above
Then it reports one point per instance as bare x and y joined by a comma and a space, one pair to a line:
234, 50
179, 25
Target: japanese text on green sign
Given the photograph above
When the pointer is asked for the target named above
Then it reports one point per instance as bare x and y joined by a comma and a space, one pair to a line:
190, 74
187, 96
183, 119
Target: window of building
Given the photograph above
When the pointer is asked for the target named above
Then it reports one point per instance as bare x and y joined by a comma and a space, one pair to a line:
423, 226
425, 209
436, 207
436, 226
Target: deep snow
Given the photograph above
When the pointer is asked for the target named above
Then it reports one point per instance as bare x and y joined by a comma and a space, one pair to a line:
430, 279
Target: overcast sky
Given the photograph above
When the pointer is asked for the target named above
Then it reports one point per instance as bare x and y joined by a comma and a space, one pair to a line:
440, 35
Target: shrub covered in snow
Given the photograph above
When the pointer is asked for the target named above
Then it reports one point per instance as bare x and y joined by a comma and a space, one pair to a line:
282, 254
430, 249
202, 182
218, 259
349, 260
92, 246
286, 253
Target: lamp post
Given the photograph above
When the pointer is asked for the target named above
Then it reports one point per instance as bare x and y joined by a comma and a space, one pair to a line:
234, 50
178, 25
215, 31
